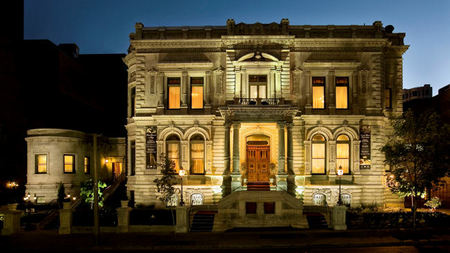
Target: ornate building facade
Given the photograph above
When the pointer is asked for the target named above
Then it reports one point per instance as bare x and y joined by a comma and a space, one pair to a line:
275, 106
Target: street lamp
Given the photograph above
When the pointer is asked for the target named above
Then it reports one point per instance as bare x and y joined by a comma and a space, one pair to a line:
340, 173
181, 172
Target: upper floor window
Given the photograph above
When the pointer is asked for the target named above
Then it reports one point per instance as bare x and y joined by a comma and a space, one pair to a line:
341, 92
132, 158
388, 98
318, 154
173, 151
174, 87
197, 155
41, 164
197, 92
69, 163
318, 92
87, 165
133, 101
343, 153
258, 86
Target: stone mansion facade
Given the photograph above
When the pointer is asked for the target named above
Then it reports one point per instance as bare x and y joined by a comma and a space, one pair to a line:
247, 107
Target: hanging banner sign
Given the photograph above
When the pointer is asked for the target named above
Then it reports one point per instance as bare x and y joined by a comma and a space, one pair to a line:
364, 149
150, 148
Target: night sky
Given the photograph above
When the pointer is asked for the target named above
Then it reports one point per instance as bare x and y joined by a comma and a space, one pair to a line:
104, 26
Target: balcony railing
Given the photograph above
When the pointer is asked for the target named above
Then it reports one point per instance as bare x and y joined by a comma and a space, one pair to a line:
258, 101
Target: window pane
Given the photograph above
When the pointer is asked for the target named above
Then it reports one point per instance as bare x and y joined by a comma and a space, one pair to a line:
341, 97
173, 153
68, 163
197, 97
342, 156
318, 97
262, 91
197, 157
41, 163
253, 91
318, 158
86, 165
174, 97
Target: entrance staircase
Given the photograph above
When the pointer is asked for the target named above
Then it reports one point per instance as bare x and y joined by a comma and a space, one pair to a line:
258, 186
316, 221
203, 221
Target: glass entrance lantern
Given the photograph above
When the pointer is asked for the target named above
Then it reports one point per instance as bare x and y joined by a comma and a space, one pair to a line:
181, 173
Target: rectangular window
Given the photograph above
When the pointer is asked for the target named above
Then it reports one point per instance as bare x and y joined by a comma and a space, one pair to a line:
69, 164
41, 164
388, 98
197, 92
318, 92
318, 158
258, 86
343, 157
197, 157
174, 86
341, 92
87, 165
133, 101
132, 158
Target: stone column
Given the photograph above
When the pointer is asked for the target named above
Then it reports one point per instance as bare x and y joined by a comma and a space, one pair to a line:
65, 219
207, 87
184, 89
308, 106
160, 87
184, 155
290, 149
338, 218
281, 176
123, 218
227, 146
330, 89
236, 175
237, 86
182, 225
11, 224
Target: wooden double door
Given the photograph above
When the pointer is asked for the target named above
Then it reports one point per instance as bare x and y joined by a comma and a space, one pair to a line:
258, 159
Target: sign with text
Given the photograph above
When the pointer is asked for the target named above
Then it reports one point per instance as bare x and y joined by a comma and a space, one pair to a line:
364, 149
150, 148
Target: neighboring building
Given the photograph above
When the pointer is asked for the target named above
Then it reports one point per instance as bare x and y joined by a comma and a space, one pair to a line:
263, 106
423, 92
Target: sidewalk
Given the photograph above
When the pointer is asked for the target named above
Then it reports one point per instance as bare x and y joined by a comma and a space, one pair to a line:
303, 239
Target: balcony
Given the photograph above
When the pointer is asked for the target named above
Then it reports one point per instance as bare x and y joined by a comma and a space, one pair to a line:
258, 101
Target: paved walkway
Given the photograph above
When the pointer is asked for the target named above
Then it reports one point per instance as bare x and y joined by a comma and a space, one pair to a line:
50, 241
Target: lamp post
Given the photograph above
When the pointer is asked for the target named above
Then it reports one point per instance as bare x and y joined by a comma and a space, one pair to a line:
340, 173
181, 172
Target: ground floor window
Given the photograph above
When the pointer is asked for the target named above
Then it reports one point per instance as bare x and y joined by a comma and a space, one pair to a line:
197, 155
196, 199
343, 153
319, 199
173, 151
69, 164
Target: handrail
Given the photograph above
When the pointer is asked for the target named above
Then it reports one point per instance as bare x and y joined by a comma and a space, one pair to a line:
258, 101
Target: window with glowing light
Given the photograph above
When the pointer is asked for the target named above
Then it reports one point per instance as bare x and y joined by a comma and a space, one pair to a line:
173, 151
318, 92
174, 87
197, 92
69, 163
258, 86
197, 155
341, 92
318, 154
343, 153
41, 164
87, 165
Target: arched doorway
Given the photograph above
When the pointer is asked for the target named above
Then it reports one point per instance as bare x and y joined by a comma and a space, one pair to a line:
258, 160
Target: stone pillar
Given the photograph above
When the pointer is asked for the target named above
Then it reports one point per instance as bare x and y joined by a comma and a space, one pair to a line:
226, 153
160, 87
308, 106
237, 86
330, 90
290, 149
65, 219
281, 176
338, 218
182, 225
184, 89
236, 175
123, 217
207, 87
11, 224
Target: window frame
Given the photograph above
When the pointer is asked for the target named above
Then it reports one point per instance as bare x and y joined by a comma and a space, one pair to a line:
179, 150
204, 155
258, 84
203, 91
324, 91
36, 164
168, 91
325, 152
347, 85
73, 164
87, 166
348, 142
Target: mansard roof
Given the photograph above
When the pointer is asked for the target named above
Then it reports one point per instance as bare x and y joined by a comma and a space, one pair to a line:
376, 30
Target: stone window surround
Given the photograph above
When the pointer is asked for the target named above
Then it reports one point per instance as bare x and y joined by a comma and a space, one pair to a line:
74, 170
47, 163
185, 86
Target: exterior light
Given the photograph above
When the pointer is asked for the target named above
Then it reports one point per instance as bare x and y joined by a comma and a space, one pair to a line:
181, 172
106, 160
340, 171
74, 198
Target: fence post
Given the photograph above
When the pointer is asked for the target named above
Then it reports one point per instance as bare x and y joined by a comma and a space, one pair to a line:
338, 218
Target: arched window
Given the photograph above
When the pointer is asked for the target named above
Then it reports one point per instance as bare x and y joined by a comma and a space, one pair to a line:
343, 153
173, 150
318, 154
196, 199
346, 199
319, 199
197, 154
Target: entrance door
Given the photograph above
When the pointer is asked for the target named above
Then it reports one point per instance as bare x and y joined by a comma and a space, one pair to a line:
116, 169
258, 159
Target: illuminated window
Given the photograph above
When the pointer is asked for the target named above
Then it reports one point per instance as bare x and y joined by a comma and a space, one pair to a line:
343, 153
197, 92
197, 155
173, 151
318, 154
174, 86
133, 101
388, 98
258, 86
341, 92
318, 91
69, 164
87, 165
41, 164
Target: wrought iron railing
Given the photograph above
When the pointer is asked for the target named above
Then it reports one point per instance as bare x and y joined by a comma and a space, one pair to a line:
258, 101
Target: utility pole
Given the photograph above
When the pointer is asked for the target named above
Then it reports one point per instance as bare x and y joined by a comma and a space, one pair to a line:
96, 219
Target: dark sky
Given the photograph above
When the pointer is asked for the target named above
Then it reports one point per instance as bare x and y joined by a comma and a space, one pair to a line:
103, 26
